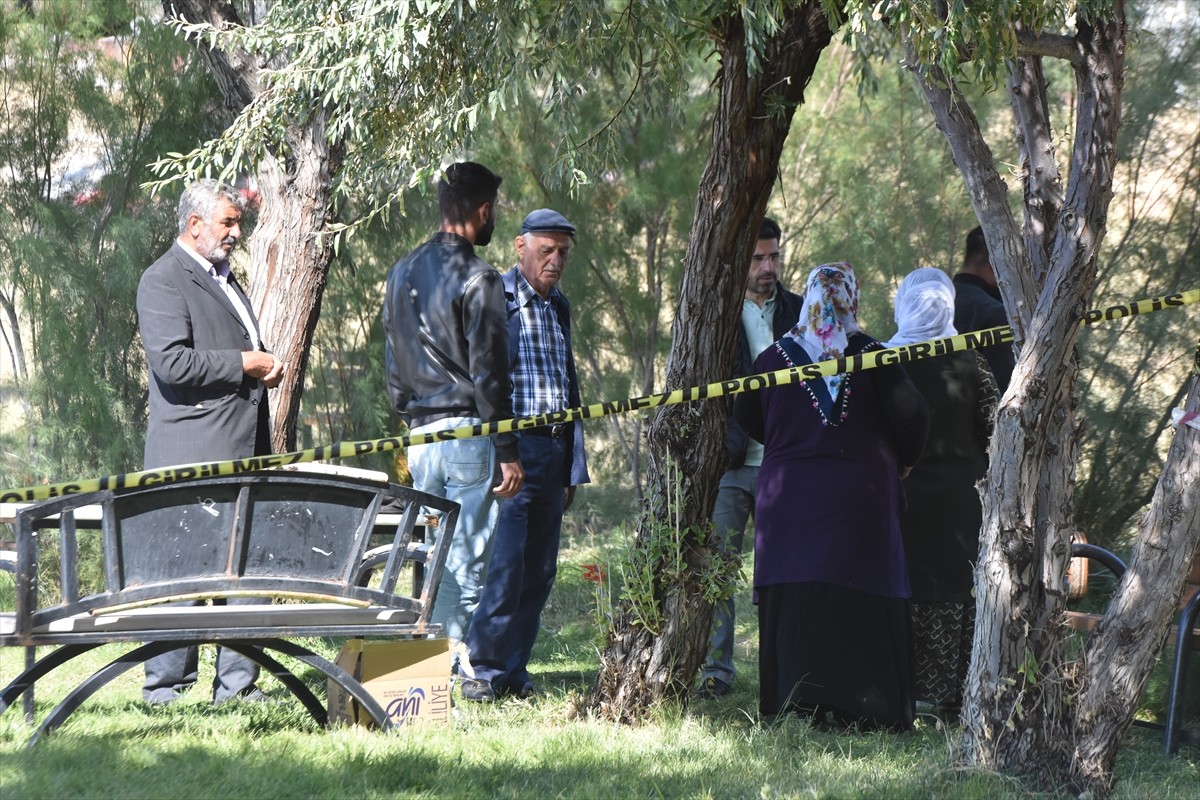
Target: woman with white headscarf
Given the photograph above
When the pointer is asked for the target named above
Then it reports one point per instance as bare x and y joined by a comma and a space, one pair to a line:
829, 572
941, 524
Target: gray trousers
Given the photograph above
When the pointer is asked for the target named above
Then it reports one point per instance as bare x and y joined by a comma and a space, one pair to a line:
171, 674
733, 509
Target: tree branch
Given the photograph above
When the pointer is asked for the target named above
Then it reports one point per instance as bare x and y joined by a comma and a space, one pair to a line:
236, 72
1031, 45
1040, 172
986, 188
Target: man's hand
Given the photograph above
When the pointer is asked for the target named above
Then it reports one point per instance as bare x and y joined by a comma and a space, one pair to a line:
512, 478
275, 376
568, 498
264, 366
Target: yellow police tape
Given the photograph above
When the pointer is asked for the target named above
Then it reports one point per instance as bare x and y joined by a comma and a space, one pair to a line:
875, 358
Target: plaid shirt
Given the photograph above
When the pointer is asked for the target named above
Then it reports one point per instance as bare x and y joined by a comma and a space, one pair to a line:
540, 381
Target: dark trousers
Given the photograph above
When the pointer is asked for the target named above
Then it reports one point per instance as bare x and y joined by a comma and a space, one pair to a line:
171, 674
521, 572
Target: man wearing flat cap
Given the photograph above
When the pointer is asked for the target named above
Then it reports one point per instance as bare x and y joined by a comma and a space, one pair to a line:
525, 550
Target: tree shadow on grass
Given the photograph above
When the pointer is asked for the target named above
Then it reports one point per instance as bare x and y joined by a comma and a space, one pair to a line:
195, 750
155, 763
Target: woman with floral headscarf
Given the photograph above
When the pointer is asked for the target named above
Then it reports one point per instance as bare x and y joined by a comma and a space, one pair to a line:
940, 527
829, 570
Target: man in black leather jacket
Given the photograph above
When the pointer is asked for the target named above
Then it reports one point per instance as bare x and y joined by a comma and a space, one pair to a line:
768, 312
447, 362
977, 305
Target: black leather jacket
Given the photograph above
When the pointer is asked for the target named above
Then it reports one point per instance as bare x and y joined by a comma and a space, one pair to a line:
786, 315
447, 338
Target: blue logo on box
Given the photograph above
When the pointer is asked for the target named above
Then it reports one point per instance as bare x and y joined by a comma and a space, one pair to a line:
402, 708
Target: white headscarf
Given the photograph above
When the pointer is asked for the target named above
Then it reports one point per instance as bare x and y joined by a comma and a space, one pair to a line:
828, 316
924, 307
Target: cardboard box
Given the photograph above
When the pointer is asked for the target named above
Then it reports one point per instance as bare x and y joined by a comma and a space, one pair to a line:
410, 678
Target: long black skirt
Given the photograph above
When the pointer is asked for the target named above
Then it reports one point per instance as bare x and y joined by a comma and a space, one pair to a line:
828, 650
942, 636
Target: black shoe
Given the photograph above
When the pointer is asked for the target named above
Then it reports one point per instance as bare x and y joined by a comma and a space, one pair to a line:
256, 695
165, 696
477, 690
250, 695
712, 688
526, 691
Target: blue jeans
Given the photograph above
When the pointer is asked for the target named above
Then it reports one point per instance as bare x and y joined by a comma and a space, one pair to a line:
734, 507
524, 563
462, 470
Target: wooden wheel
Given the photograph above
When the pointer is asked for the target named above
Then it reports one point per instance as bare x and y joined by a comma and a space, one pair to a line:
1077, 571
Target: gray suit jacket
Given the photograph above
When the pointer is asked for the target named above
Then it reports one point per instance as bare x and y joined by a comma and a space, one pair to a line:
202, 407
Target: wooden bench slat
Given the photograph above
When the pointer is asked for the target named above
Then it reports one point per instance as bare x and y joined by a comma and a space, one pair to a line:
218, 617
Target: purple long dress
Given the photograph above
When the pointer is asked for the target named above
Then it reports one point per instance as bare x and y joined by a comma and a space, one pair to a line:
830, 574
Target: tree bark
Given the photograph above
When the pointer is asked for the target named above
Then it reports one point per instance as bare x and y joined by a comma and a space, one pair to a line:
289, 251
659, 637
1039, 166
1122, 650
1020, 714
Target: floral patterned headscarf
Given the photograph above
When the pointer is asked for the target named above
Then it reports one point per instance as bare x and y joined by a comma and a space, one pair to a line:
828, 316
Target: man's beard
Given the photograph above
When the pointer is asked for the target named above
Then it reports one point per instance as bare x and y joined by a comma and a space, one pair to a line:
485, 233
216, 253
764, 286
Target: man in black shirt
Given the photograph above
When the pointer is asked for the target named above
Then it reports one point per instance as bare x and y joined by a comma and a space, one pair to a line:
977, 305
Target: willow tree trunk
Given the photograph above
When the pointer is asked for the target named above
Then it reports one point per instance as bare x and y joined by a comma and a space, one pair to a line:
1017, 715
289, 255
1027, 708
1123, 648
290, 261
660, 633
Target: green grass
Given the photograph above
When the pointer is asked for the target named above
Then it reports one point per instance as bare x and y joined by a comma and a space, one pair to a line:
114, 746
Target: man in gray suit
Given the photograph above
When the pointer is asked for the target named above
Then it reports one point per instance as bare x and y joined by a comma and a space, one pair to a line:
209, 375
